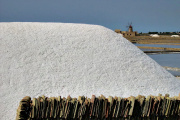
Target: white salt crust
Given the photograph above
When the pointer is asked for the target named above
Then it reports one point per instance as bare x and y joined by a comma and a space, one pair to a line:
55, 59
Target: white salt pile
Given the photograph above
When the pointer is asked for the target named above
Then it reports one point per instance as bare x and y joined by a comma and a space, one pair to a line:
55, 59
155, 35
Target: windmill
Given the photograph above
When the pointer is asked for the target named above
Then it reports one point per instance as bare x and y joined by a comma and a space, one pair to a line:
129, 27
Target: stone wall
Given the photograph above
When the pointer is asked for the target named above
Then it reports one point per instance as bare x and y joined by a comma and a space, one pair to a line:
100, 108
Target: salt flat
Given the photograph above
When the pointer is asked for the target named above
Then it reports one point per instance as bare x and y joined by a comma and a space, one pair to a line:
55, 59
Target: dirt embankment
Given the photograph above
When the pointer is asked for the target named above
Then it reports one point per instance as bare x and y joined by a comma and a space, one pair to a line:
172, 68
162, 39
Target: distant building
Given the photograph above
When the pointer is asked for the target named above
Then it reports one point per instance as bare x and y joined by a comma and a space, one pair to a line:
128, 33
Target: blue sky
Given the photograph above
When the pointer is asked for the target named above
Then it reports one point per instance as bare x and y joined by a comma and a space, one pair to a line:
145, 15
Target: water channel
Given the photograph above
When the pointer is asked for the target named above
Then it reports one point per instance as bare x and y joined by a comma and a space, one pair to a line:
170, 60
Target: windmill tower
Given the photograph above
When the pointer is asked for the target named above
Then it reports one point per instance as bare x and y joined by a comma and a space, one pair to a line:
130, 28
129, 32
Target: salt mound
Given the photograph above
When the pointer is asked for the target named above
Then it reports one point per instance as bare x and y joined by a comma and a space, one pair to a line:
55, 59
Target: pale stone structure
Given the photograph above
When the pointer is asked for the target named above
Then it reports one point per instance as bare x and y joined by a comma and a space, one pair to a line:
128, 33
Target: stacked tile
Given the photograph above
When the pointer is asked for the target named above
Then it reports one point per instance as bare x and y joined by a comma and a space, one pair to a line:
24, 109
151, 107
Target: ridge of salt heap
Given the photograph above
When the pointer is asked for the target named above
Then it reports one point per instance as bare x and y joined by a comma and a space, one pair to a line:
55, 59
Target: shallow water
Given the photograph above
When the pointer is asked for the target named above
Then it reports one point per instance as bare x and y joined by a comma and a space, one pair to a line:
151, 50
170, 60
159, 45
175, 73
